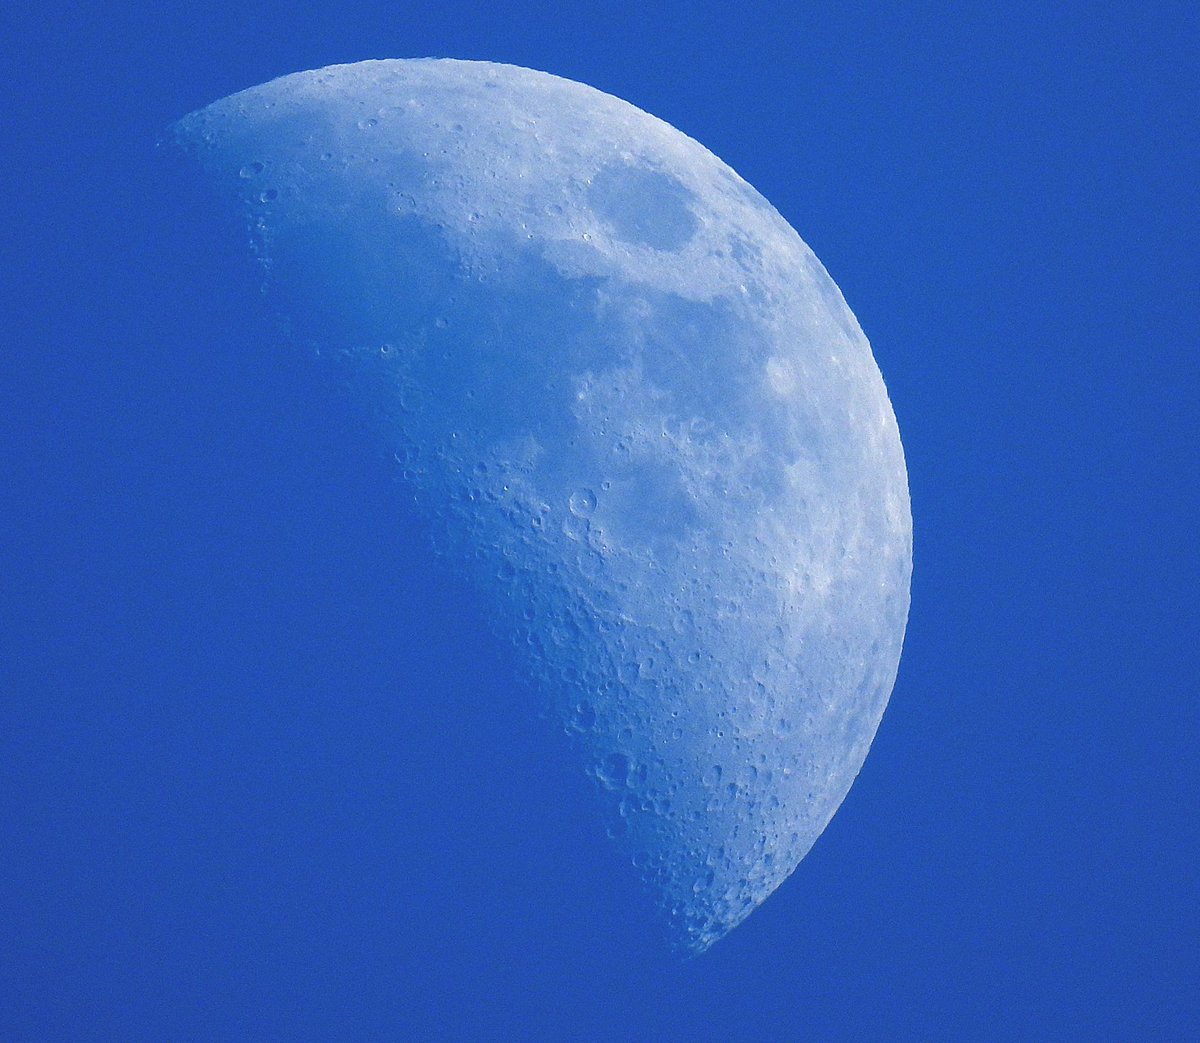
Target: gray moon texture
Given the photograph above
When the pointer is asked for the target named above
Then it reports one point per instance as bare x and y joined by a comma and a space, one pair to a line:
630, 407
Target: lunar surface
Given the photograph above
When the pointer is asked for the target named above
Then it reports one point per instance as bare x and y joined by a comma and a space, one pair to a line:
630, 407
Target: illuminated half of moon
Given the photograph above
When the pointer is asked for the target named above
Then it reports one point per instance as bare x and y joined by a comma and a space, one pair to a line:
633, 409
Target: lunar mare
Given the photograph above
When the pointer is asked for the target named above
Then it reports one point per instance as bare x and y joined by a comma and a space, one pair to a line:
631, 407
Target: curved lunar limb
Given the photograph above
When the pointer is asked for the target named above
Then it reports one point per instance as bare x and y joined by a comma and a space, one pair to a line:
631, 407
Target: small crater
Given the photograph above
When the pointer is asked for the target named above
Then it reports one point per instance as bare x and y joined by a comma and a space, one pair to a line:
582, 503
613, 771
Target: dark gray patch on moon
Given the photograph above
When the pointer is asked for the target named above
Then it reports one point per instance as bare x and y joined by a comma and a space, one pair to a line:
644, 207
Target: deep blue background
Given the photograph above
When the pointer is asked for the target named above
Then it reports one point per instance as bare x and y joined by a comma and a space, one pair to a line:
261, 775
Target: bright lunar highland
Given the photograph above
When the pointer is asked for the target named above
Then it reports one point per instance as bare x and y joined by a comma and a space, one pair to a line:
630, 407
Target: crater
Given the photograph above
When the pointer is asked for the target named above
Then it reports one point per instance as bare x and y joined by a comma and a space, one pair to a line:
644, 207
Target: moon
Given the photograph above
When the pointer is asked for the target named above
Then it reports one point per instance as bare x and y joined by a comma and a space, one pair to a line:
630, 407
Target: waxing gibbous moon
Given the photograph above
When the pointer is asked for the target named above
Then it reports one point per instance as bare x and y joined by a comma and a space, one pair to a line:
630, 407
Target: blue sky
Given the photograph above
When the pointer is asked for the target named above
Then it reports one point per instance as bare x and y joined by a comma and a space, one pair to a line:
221, 821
